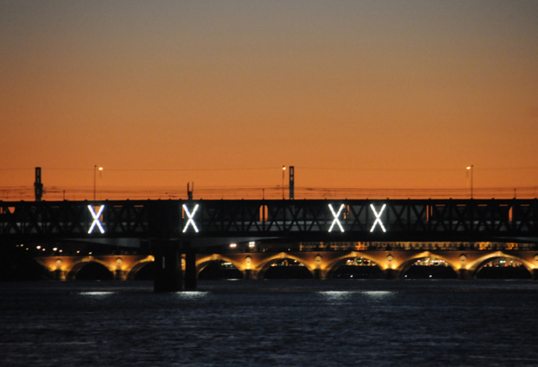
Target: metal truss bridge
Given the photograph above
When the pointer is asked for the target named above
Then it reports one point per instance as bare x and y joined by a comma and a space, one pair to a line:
294, 220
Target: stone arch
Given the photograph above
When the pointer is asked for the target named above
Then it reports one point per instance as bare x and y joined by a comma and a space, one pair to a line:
331, 268
264, 265
138, 266
407, 264
202, 263
79, 265
479, 263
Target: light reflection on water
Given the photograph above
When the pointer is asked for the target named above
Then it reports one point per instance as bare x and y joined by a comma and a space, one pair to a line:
379, 294
343, 295
272, 323
95, 293
335, 294
191, 294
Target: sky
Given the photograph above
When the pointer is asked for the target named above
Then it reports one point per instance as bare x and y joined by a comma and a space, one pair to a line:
361, 94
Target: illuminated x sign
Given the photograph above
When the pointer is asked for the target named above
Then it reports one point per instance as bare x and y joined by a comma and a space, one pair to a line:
96, 220
336, 215
190, 216
378, 217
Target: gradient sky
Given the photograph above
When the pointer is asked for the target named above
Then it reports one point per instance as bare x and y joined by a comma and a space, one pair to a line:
352, 93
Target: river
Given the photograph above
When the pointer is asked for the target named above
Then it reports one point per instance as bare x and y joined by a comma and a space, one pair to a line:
270, 323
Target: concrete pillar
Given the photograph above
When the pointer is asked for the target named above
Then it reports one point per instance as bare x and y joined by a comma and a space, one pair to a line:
318, 274
167, 266
534, 274
190, 269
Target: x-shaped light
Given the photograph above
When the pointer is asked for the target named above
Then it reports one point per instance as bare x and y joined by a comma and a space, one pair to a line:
378, 217
190, 216
96, 220
336, 215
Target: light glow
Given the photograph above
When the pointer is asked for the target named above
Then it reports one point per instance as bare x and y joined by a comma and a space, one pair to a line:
378, 217
96, 221
190, 216
96, 293
336, 220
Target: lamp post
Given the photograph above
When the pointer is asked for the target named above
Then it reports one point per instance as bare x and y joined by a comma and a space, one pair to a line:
470, 168
283, 172
95, 180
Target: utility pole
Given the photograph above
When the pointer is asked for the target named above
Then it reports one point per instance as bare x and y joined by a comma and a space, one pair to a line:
292, 182
283, 172
38, 186
470, 168
189, 191
94, 181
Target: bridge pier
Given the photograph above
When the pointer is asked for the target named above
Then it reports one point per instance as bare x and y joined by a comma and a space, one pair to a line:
59, 275
190, 269
534, 274
250, 274
392, 274
168, 277
464, 274
119, 275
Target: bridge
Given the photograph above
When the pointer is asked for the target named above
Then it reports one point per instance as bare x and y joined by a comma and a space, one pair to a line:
190, 227
321, 264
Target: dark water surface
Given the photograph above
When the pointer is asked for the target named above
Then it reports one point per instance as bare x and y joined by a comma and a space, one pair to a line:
271, 323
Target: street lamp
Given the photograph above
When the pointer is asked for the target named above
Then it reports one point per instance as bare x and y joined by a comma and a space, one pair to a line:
95, 180
470, 168
283, 172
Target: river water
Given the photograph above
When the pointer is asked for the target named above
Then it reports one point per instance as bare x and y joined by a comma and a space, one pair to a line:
271, 323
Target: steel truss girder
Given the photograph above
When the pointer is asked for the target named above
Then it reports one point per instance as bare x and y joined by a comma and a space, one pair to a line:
443, 220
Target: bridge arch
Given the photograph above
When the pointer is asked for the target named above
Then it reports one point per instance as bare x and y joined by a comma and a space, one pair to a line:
265, 264
333, 266
479, 263
77, 267
203, 262
131, 274
406, 264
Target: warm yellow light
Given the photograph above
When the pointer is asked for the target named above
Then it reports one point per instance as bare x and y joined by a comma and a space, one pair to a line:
233, 245
100, 168
469, 167
283, 168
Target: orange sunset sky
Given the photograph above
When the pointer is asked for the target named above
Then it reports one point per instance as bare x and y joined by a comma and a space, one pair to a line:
354, 94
